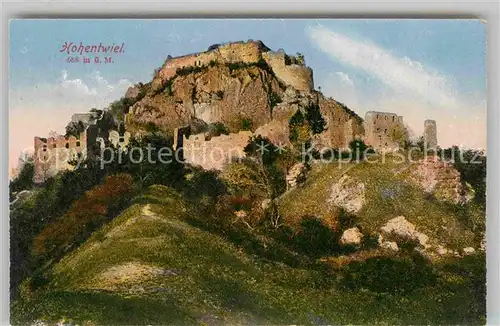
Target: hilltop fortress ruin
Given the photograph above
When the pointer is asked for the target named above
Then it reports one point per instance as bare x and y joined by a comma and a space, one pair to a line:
243, 85
289, 69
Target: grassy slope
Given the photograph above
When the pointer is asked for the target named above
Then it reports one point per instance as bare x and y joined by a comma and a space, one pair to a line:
216, 282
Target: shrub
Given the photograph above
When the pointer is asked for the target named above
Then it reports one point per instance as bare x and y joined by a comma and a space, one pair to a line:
85, 216
359, 148
315, 237
75, 128
299, 128
30, 216
216, 129
315, 118
274, 99
399, 274
121, 107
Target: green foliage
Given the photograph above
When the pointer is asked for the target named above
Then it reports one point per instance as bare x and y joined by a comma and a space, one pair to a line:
299, 129
274, 99
29, 217
314, 237
86, 215
121, 107
315, 118
150, 169
304, 124
216, 129
75, 128
151, 127
246, 124
400, 274
262, 64
184, 71
360, 149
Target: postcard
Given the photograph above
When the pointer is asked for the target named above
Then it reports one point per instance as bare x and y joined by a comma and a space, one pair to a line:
247, 171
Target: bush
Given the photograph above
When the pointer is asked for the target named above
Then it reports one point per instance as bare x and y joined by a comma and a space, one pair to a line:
30, 216
315, 118
315, 237
216, 129
75, 128
399, 274
300, 130
359, 148
85, 216
274, 99
121, 107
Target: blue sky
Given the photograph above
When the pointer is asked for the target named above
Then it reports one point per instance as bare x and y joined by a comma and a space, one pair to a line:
417, 68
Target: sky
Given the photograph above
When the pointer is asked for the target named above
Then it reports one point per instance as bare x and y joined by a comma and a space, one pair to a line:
420, 69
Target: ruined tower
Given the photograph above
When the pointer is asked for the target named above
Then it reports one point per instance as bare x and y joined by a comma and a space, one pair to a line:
430, 134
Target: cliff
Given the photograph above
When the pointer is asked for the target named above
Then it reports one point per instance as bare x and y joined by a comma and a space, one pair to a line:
221, 93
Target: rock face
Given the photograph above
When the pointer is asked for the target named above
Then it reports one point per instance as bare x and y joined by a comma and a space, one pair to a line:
296, 175
238, 98
133, 91
348, 193
242, 97
390, 245
401, 227
441, 179
352, 237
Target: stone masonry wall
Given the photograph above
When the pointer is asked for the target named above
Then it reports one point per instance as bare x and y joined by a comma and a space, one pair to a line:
378, 128
430, 134
299, 77
233, 52
54, 153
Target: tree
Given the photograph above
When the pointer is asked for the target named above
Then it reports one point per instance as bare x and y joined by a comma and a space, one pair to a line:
75, 128
299, 128
315, 118
24, 180
359, 148
269, 178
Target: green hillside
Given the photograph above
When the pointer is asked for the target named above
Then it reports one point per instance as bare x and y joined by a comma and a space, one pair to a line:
388, 193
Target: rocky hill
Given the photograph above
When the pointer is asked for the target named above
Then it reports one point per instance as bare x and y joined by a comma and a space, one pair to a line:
273, 238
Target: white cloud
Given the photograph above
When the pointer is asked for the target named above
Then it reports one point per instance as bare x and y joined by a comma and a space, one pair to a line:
412, 89
36, 110
401, 74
